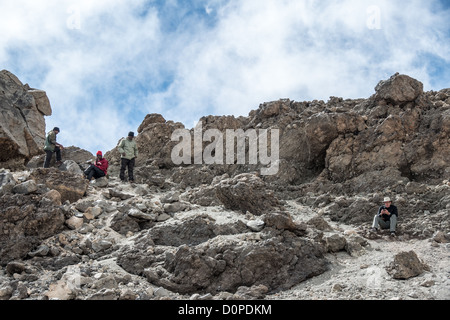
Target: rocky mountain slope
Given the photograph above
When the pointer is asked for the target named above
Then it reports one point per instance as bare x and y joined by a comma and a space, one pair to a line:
227, 232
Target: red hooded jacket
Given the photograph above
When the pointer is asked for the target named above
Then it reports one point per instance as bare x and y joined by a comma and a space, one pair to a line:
102, 164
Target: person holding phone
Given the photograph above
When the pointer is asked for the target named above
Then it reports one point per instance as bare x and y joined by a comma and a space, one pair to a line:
386, 217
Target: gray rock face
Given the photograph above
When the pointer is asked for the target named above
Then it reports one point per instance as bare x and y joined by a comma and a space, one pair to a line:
22, 123
222, 231
25, 220
406, 265
246, 192
71, 186
222, 264
399, 89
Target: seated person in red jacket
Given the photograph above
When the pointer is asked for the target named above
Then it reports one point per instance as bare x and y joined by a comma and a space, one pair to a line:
98, 169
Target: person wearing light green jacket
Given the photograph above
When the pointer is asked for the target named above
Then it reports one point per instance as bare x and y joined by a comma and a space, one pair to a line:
128, 151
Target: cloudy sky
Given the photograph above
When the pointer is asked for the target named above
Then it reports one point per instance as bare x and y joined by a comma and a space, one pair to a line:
105, 64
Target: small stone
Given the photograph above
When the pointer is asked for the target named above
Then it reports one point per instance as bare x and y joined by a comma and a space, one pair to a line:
161, 292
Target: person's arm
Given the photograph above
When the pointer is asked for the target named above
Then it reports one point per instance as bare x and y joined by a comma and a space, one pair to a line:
394, 211
120, 148
136, 152
52, 140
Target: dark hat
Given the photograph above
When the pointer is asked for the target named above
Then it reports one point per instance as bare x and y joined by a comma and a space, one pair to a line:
131, 134
56, 129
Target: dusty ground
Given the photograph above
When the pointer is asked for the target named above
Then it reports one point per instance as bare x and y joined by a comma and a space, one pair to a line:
365, 277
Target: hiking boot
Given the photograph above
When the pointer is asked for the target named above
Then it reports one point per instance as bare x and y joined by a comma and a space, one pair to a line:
374, 230
58, 163
393, 235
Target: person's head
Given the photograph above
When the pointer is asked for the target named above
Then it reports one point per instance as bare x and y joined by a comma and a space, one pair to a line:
56, 130
387, 202
131, 135
99, 154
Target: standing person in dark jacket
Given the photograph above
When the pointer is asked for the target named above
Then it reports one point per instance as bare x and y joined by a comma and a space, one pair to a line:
129, 151
387, 217
98, 169
51, 146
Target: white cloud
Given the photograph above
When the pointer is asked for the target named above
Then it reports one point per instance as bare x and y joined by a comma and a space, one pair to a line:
104, 63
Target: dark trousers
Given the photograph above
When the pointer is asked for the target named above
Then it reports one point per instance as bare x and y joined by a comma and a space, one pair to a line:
126, 163
49, 155
93, 172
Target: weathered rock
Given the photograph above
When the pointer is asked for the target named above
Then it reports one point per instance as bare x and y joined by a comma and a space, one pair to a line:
7, 182
119, 194
72, 187
283, 221
175, 207
71, 166
319, 223
6, 292
42, 101
54, 196
246, 192
74, 222
253, 293
136, 213
123, 223
25, 187
60, 291
101, 182
22, 129
92, 212
399, 89
406, 265
335, 243
192, 231
227, 265
15, 267
25, 221
256, 225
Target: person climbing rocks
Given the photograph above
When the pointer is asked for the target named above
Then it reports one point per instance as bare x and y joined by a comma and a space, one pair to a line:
128, 151
51, 146
386, 217
98, 169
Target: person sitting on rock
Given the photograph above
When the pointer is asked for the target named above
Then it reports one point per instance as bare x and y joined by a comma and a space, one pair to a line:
386, 218
98, 169
51, 146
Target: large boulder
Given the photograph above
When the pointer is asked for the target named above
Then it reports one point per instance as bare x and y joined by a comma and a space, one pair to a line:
71, 186
399, 89
413, 141
406, 265
25, 221
246, 192
22, 123
225, 264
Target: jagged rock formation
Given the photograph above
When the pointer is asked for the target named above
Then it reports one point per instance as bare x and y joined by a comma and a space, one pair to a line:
228, 232
26, 220
22, 123
400, 128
